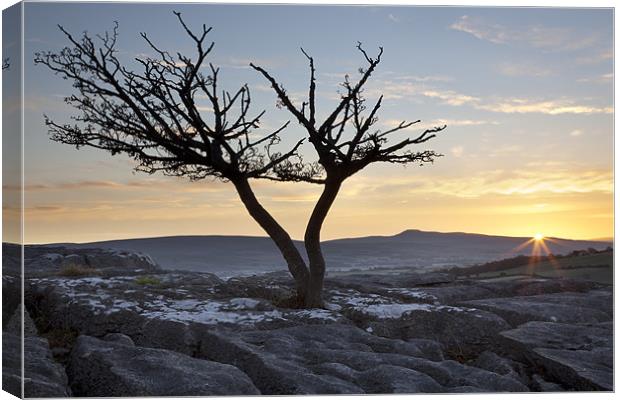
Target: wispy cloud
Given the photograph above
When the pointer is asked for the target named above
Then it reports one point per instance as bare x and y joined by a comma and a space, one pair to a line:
390, 123
244, 63
604, 78
523, 69
549, 107
596, 58
493, 33
538, 36
424, 78
524, 182
516, 105
451, 97
457, 151
141, 185
576, 132
393, 18
393, 90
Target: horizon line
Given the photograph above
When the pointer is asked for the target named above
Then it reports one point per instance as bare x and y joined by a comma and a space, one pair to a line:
603, 240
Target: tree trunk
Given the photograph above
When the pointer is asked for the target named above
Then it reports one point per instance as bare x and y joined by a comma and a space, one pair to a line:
283, 241
312, 241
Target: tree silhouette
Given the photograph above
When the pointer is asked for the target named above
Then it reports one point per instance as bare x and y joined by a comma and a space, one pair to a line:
152, 115
346, 142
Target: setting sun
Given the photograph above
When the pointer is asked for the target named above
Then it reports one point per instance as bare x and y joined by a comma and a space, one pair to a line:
538, 237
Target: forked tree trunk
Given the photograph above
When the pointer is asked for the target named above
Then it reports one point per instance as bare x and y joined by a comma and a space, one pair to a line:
283, 241
312, 241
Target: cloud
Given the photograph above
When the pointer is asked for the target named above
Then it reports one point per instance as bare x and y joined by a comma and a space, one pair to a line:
596, 58
525, 182
549, 107
391, 123
392, 18
523, 69
538, 36
391, 89
457, 151
517, 105
451, 97
142, 185
576, 132
244, 63
604, 78
427, 78
491, 32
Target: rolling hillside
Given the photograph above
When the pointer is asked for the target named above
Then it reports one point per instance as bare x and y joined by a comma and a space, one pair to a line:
232, 255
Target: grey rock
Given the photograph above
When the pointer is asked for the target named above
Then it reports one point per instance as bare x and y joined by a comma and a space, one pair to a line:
119, 338
463, 375
542, 385
579, 356
104, 368
556, 307
49, 260
14, 325
465, 290
461, 332
341, 354
395, 379
490, 361
336, 369
43, 376
409, 335
374, 283
271, 374
11, 291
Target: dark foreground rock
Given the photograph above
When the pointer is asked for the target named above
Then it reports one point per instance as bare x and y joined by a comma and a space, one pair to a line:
579, 356
114, 368
345, 359
400, 333
44, 377
594, 306
53, 260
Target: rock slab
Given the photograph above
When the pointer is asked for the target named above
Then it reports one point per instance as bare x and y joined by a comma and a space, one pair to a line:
43, 376
579, 356
116, 368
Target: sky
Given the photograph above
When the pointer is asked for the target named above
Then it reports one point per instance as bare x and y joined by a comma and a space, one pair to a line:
527, 95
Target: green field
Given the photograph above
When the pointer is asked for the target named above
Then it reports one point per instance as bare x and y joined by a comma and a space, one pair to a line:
592, 267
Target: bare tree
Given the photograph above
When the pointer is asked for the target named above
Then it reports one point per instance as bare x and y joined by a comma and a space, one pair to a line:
346, 141
154, 116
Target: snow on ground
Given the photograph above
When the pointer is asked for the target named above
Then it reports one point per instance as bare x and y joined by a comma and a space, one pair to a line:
382, 307
318, 314
120, 294
412, 293
396, 310
208, 312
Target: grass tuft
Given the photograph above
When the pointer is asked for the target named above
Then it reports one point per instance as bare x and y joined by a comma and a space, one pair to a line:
74, 270
147, 280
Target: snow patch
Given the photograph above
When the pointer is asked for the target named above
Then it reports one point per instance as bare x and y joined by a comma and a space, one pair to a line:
209, 313
412, 293
244, 303
396, 310
318, 314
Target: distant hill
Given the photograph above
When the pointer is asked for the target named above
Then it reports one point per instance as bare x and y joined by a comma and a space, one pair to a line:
590, 265
232, 255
